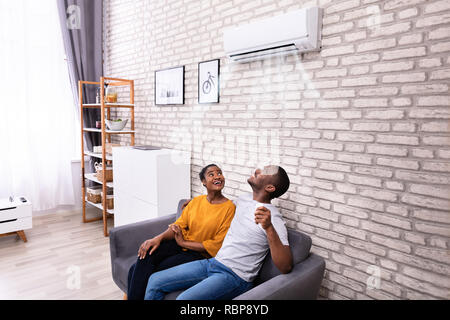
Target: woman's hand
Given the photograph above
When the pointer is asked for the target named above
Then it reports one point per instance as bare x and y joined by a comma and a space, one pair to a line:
190, 245
150, 243
178, 234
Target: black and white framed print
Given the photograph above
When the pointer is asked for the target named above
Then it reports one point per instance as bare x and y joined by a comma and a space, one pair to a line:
169, 86
208, 81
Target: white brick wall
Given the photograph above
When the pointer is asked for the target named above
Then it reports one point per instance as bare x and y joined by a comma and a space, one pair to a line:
362, 127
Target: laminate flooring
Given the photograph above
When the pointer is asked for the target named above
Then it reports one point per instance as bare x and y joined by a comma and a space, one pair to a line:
64, 259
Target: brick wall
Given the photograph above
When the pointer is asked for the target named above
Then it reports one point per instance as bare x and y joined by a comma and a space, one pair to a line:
362, 127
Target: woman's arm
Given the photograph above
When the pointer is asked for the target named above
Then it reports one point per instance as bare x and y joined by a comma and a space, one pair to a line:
191, 245
167, 235
154, 242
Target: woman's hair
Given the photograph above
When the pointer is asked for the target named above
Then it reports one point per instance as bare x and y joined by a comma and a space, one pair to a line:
203, 172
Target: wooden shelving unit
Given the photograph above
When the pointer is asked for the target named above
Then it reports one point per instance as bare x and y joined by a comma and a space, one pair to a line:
105, 137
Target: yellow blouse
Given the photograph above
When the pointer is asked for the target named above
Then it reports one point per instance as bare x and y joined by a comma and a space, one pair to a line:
207, 223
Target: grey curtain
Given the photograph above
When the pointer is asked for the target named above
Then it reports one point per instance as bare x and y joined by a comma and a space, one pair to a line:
81, 25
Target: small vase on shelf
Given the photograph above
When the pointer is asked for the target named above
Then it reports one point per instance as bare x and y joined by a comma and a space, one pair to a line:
110, 94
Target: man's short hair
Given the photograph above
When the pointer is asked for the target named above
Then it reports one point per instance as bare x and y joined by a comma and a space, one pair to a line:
281, 183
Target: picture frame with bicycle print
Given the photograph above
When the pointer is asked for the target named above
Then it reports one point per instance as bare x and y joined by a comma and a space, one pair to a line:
208, 81
169, 86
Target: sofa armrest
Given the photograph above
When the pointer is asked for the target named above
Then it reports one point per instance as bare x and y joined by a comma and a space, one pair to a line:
125, 240
302, 283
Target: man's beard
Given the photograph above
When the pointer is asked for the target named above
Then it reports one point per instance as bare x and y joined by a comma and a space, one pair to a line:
252, 184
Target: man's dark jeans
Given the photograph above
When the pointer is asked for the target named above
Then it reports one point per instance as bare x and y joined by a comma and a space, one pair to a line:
169, 254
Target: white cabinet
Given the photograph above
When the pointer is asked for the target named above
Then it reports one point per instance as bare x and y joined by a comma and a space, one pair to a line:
15, 216
149, 183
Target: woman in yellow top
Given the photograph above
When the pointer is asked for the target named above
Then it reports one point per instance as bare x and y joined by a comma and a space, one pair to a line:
196, 234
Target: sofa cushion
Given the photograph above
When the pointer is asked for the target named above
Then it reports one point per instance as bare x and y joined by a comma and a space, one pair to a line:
122, 266
300, 244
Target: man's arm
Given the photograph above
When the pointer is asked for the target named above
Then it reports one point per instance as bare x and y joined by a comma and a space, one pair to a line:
281, 254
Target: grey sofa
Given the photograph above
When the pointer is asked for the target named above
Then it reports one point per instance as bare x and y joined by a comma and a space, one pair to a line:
303, 282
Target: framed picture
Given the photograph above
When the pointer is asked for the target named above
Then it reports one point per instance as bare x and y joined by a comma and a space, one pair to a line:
169, 86
208, 81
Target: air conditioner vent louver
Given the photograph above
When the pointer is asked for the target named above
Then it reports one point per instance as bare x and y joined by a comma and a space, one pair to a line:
267, 51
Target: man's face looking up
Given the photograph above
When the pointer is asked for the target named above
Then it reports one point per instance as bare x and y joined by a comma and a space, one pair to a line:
262, 177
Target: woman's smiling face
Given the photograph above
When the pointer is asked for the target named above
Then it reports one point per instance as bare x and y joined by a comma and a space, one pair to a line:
214, 179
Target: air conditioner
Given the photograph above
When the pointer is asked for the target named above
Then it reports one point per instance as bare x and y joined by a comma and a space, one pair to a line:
292, 32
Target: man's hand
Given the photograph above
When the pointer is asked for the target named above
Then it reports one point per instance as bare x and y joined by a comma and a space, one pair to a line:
150, 243
262, 216
185, 204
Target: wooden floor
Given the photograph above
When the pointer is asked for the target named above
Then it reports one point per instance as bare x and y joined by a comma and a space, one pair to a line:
64, 258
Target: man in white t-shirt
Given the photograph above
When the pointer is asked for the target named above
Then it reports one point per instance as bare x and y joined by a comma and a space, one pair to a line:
257, 227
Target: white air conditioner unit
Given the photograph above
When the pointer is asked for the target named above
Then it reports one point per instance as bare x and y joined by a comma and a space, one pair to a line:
292, 32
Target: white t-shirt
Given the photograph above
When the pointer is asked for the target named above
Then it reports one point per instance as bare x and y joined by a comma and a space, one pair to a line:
245, 246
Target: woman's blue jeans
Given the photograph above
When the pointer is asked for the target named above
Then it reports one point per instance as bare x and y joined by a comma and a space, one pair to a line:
206, 279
